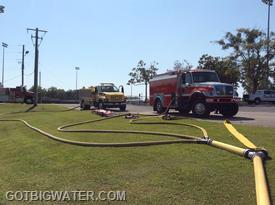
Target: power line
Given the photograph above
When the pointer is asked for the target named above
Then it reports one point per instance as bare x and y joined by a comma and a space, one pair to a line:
10, 79
29, 74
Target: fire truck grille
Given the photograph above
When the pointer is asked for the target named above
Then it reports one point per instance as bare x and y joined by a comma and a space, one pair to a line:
116, 98
224, 90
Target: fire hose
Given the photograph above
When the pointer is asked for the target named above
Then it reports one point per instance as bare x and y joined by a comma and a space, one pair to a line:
257, 155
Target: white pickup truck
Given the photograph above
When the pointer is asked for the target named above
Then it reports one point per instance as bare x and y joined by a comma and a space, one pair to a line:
261, 96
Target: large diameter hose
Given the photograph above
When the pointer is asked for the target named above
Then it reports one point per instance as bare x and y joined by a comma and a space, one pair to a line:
228, 147
262, 193
181, 138
238, 135
257, 155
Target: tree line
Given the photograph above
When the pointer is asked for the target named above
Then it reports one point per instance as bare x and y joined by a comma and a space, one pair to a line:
251, 61
56, 93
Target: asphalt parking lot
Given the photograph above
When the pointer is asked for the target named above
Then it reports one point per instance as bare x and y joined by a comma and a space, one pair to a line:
258, 115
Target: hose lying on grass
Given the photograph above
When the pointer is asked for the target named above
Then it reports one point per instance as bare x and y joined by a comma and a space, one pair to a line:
257, 155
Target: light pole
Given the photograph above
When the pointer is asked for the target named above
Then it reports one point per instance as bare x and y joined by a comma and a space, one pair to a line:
23, 63
3, 62
269, 3
131, 90
1, 9
76, 72
131, 84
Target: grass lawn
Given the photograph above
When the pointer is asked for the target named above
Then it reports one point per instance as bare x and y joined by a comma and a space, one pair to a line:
162, 174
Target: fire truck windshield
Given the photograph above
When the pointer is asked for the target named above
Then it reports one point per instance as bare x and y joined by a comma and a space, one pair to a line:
109, 89
200, 77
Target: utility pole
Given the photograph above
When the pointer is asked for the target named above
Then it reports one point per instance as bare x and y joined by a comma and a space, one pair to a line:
36, 61
40, 79
23, 63
40, 87
269, 3
3, 62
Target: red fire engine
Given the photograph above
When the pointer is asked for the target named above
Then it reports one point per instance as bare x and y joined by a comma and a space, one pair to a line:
18, 94
198, 90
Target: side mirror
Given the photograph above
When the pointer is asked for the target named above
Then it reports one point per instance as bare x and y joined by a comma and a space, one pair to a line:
93, 89
121, 88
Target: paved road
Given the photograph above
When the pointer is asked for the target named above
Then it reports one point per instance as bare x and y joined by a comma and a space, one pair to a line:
260, 115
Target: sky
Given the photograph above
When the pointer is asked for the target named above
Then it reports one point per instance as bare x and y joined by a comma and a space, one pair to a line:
107, 38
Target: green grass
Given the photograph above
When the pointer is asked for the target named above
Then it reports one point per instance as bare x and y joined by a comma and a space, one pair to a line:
163, 174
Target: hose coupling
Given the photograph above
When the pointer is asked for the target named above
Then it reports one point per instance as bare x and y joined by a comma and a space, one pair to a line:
205, 141
208, 140
167, 117
260, 152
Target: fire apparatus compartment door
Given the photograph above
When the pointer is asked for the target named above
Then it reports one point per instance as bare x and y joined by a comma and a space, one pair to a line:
186, 81
182, 83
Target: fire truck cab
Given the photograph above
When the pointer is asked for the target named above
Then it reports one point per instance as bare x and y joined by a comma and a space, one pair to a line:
17, 94
198, 90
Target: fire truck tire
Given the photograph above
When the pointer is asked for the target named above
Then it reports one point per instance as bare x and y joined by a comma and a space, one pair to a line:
230, 110
122, 108
87, 107
82, 104
200, 109
159, 107
100, 105
28, 101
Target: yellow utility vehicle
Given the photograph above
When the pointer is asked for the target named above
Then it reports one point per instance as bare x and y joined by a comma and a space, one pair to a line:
105, 95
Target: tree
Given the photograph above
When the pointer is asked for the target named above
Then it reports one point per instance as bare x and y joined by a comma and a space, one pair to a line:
227, 68
185, 65
52, 92
249, 50
71, 94
143, 74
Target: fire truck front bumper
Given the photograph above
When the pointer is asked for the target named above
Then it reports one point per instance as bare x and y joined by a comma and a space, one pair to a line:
114, 104
222, 100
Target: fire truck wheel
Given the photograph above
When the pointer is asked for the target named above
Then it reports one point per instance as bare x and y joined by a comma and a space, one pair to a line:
159, 107
28, 101
86, 107
100, 105
82, 105
230, 110
122, 108
200, 109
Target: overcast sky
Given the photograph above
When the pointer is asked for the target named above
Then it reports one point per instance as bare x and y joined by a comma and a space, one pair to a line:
106, 38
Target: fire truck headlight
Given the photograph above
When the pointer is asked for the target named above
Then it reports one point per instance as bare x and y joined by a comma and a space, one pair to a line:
102, 96
209, 93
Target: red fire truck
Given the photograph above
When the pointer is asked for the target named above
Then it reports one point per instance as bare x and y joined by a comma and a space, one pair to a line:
18, 94
198, 90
